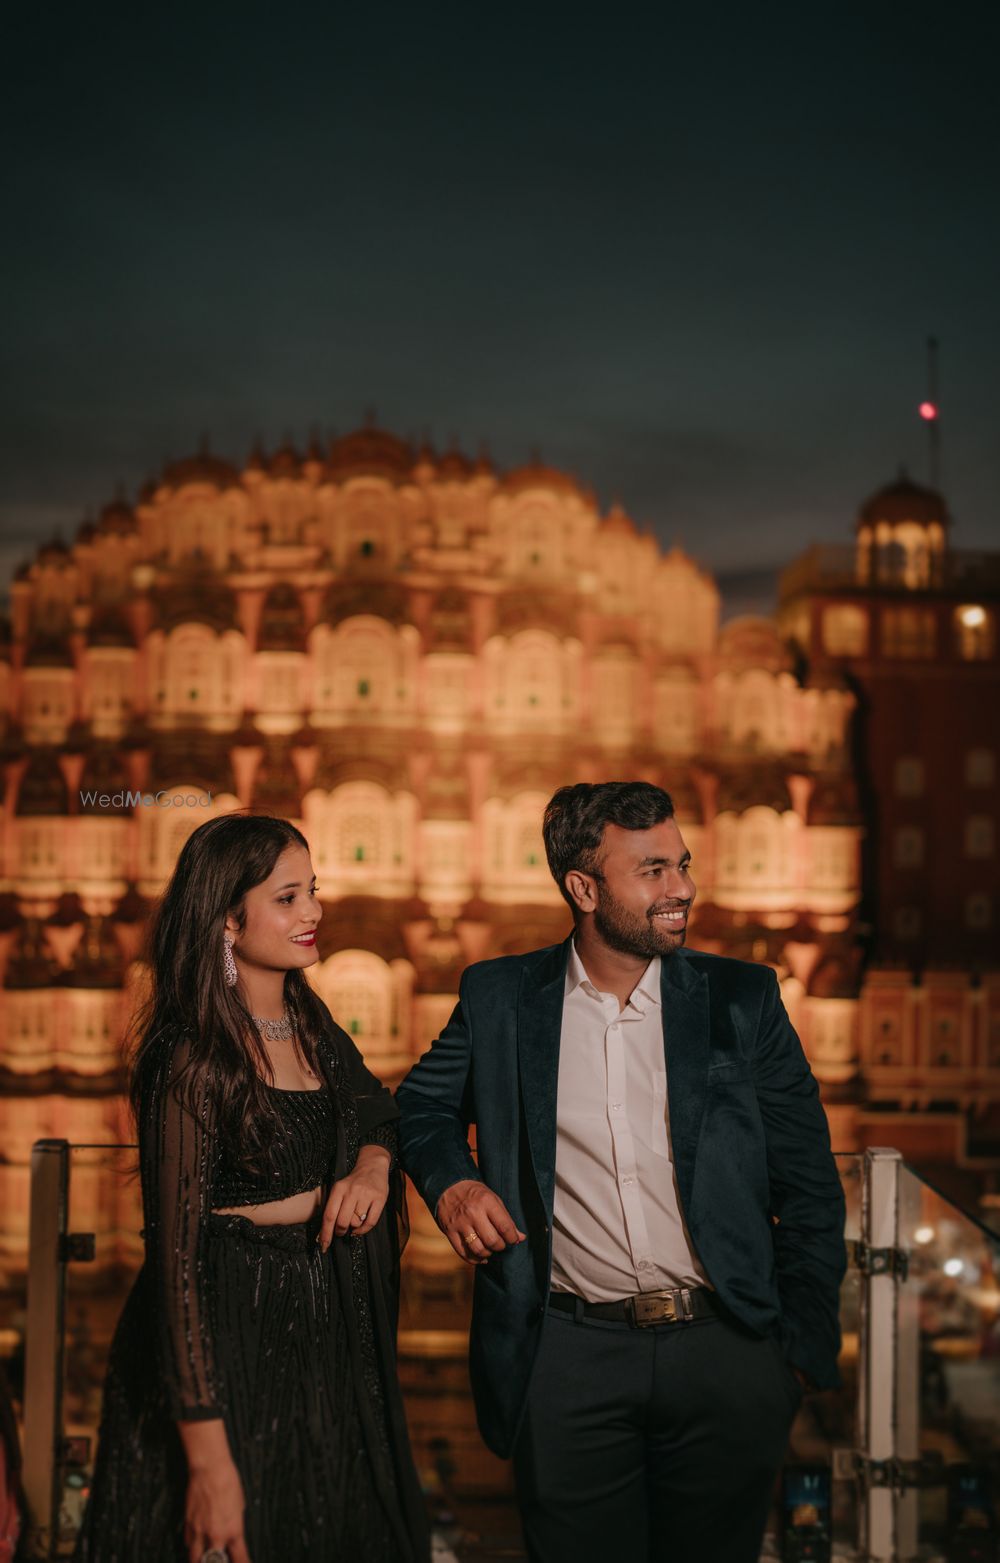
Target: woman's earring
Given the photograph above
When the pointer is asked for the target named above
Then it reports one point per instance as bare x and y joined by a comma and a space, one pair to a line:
228, 964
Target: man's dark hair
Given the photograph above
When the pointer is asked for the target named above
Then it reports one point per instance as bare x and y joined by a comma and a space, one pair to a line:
575, 818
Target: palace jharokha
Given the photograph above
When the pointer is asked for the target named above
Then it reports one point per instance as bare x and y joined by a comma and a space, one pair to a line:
407, 654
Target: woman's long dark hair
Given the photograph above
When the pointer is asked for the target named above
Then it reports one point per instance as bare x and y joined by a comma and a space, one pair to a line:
227, 1062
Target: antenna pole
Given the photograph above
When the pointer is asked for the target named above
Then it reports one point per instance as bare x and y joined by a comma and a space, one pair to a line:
932, 415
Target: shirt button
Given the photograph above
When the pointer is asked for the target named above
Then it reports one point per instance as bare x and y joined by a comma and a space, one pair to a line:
616, 1107
645, 1264
628, 1182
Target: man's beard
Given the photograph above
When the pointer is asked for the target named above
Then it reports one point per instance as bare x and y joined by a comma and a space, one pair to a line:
630, 934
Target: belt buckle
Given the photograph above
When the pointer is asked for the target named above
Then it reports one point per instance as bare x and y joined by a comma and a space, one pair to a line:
648, 1308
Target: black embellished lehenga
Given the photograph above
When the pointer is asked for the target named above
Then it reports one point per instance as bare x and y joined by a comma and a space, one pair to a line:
293, 1348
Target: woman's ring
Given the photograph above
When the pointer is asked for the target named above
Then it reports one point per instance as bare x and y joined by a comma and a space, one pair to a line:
362, 1215
472, 1237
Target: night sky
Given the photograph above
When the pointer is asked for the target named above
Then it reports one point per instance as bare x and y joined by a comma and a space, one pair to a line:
692, 258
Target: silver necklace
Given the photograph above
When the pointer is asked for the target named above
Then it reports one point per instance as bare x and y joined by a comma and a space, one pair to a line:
280, 1030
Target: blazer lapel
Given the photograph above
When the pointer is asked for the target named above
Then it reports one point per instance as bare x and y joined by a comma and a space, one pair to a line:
684, 993
539, 1026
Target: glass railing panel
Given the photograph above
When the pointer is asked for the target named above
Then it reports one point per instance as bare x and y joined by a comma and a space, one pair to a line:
823, 1434
948, 1366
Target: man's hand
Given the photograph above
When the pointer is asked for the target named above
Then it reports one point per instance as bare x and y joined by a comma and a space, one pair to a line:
475, 1221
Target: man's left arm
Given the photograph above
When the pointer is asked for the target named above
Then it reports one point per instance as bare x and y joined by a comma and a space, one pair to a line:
807, 1199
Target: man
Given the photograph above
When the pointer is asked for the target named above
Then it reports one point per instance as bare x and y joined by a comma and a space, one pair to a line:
655, 1215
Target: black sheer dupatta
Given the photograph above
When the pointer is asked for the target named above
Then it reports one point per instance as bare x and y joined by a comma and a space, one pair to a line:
369, 1272
177, 1153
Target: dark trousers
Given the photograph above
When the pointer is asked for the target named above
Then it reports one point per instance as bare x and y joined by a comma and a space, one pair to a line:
654, 1445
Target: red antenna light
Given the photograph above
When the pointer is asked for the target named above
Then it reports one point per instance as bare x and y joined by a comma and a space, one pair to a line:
928, 411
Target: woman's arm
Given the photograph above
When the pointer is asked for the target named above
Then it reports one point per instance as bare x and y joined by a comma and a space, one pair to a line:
176, 1158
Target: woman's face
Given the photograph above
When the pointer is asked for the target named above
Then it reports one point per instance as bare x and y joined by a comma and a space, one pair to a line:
282, 914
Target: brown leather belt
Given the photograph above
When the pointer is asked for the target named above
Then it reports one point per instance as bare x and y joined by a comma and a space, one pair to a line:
678, 1306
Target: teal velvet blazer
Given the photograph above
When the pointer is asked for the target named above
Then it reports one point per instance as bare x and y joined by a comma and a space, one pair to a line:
758, 1185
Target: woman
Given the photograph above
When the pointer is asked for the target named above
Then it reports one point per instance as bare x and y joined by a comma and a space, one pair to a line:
252, 1410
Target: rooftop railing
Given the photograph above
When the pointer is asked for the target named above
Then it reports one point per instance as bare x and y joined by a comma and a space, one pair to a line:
834, 567
901, 1463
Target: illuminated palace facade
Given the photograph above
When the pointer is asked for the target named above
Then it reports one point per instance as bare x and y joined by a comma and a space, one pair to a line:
406, 654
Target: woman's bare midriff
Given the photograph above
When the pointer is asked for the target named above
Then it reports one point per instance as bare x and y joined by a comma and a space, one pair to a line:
278, 1212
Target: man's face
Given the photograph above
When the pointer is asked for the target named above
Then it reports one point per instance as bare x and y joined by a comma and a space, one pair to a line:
645, 890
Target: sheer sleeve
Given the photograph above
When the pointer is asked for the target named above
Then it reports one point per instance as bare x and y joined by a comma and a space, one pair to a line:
175, 1157
375, 1104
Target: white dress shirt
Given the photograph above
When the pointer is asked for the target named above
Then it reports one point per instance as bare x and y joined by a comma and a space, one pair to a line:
617, 1226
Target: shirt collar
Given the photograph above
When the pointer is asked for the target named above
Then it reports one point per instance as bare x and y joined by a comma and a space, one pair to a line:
645, 992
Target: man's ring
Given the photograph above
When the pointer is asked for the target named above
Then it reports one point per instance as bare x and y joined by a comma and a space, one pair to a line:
215, 1555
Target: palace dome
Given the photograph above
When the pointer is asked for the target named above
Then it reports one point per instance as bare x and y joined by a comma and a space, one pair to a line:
536, 475
903, 501
203, 468
371, 452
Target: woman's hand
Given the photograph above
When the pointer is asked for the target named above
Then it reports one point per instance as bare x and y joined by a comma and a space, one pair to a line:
355, 1203
213, 1512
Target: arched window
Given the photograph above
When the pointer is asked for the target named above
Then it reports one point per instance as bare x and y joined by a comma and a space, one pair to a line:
364, 669
614, 677
845, 630
753, 714
279, 690
675, 708
532, 681
371, 1000
196, 676
166, 821
908, 633
362, 838
974, 632
757, 859
535, 531
109, 673
103, 847
41, 843
515, 867
447, 686
47, 703
446, 859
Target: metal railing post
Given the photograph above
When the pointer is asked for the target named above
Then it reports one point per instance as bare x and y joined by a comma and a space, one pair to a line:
44, 1343
888, 1430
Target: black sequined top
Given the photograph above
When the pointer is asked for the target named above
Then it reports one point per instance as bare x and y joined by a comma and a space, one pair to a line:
186, 1174
301, 1157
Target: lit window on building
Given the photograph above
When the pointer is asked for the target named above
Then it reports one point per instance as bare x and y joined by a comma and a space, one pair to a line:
906, 922
845, 631
908, 776
944, 1041
357, 985
980, 768
888, 1041
980, 836
908, 633
979, 910
908, 847
974, 632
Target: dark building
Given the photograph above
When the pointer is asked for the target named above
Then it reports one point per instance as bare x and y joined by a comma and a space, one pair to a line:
910, 623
